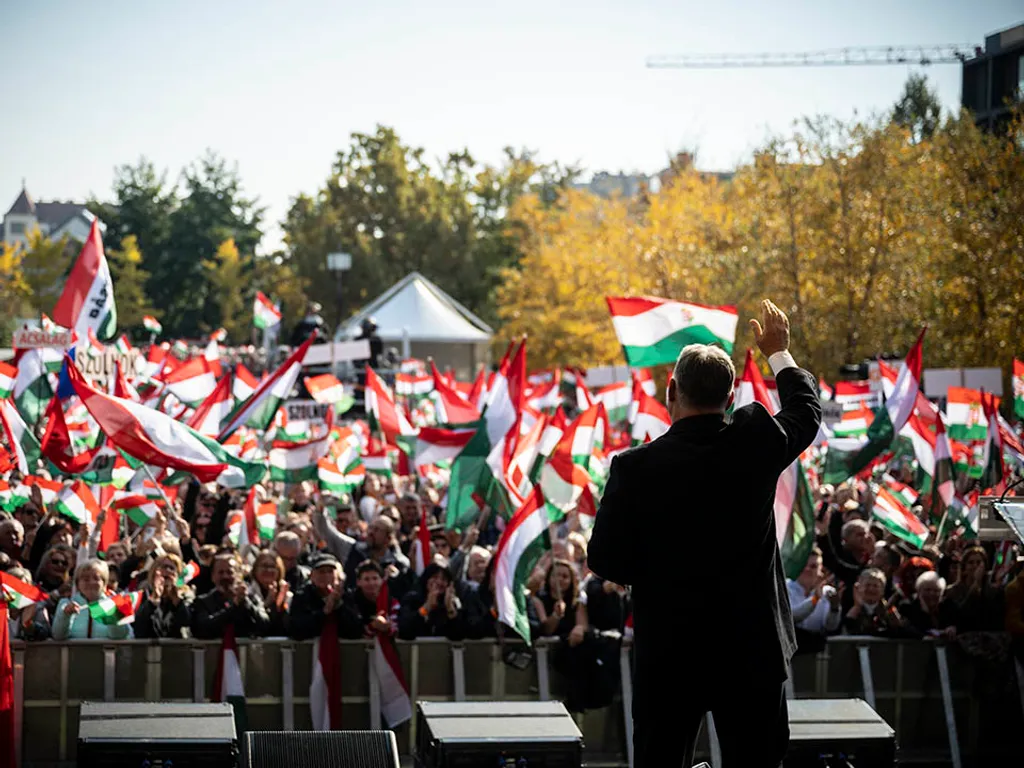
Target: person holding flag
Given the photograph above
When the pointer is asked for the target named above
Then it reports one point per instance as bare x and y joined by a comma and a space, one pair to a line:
74, 617
734, 662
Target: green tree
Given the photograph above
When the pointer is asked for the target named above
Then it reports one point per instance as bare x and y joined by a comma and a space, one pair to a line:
226, 274
130, 281
45, 264
394, 212
212, 209
14, 290
918, 109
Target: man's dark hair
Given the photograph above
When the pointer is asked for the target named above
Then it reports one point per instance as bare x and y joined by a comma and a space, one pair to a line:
369, 565
704, 376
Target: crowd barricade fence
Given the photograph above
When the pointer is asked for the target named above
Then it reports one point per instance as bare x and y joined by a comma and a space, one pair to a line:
946, 707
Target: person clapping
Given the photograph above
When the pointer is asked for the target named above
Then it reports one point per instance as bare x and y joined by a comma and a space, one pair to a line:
167, 609
433, 608
228, 603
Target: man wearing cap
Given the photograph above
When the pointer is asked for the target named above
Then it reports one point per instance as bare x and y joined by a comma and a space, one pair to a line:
320, 600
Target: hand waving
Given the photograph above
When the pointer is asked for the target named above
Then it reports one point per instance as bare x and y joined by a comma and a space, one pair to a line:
772, 333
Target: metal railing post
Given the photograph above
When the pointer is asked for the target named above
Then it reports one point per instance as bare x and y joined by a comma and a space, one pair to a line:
543, 674
62, 748
199, 675
288, 687
459, 671
109, 673
865, 674
374, 688
947, 704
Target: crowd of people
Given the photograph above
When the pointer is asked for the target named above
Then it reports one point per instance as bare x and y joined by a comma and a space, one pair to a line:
353, 560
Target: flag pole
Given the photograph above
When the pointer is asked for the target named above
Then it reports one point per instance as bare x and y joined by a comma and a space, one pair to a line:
171, 517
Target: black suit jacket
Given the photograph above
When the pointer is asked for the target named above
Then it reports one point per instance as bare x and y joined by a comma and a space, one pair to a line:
688, 521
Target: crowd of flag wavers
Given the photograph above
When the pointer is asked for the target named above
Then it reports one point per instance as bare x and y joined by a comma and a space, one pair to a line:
178, 499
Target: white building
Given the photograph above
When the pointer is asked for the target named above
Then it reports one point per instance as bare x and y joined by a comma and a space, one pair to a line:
54, 219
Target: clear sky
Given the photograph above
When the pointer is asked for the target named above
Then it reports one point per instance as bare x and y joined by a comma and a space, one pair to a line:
278, 86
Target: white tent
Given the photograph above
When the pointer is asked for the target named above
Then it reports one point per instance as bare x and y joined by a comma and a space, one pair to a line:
422, 321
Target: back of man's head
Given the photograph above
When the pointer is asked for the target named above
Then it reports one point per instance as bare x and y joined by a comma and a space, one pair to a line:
704, 377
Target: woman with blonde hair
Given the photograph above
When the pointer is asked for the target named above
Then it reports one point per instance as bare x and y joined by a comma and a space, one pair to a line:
167, 609
73, 619
267, 585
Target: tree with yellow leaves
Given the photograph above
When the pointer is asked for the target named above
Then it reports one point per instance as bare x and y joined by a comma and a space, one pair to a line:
14, 290
226, 274
45, 264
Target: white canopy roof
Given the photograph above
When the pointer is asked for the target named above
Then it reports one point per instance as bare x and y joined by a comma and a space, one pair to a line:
416, 309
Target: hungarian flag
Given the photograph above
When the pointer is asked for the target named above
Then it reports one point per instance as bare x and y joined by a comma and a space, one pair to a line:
213, 410
87, 303
18, 593
651, 421
413, 384
546, 396
395, 704
212, 355
227, 680
965, 414
243, 384
265, 314
327, 390
116, 609
891, 418
378, 458
825, 392
121, 386
193, 382
854, 394
420, 554
338, 478
900, 491
77, 503
435, 444
32, 386
48, 489
519, 478
325, 685
156, 439
151, 324
450, 405
8, 374
294, 462
190, 571
380, 403
23, 444
894, 516
139, 508
478, 392
855, 422
57, 444
243, 526
924, 442
654, 331
992, 472
944, 480
564, 478
1018, 388
122, 345
258, 410
616, 398
523, 542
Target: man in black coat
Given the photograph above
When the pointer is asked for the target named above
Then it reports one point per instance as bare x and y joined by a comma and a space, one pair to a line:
228, 603
712, 623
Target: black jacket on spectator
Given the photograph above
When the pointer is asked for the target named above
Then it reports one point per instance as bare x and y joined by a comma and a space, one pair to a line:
212, 612
710, 607
306, 618
838, 560
919, 621
412, 624
565, 624
605, 611
297, 578
163, 620
398, 585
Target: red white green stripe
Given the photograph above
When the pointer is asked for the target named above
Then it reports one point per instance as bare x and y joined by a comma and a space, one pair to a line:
653, 331
436, 444
193, 382
87, 302
265, 313
23, 444
522, 544
294, 462
140, 509
20, 594
335, 478
965, 416
77, 503
116, 609
151, 324
8, 374
894, 516
1018, 388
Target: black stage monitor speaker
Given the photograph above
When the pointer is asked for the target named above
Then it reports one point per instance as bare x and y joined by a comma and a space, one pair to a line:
157, 734
319, 749
838, 732
538, 734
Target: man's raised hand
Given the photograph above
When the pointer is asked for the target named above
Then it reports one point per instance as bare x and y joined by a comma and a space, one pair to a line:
772, 333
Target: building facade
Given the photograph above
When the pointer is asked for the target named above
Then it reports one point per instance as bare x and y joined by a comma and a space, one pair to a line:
54, 219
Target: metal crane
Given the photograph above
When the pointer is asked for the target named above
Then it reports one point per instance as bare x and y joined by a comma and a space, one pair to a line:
924, 55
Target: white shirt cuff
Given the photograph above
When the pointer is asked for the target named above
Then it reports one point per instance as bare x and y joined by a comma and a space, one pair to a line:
780, 361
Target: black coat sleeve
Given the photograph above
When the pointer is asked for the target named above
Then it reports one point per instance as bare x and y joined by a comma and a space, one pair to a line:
306, 617
208, 620
611, 551
800, 414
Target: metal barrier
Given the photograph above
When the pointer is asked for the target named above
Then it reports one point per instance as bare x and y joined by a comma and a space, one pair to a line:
938, 700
